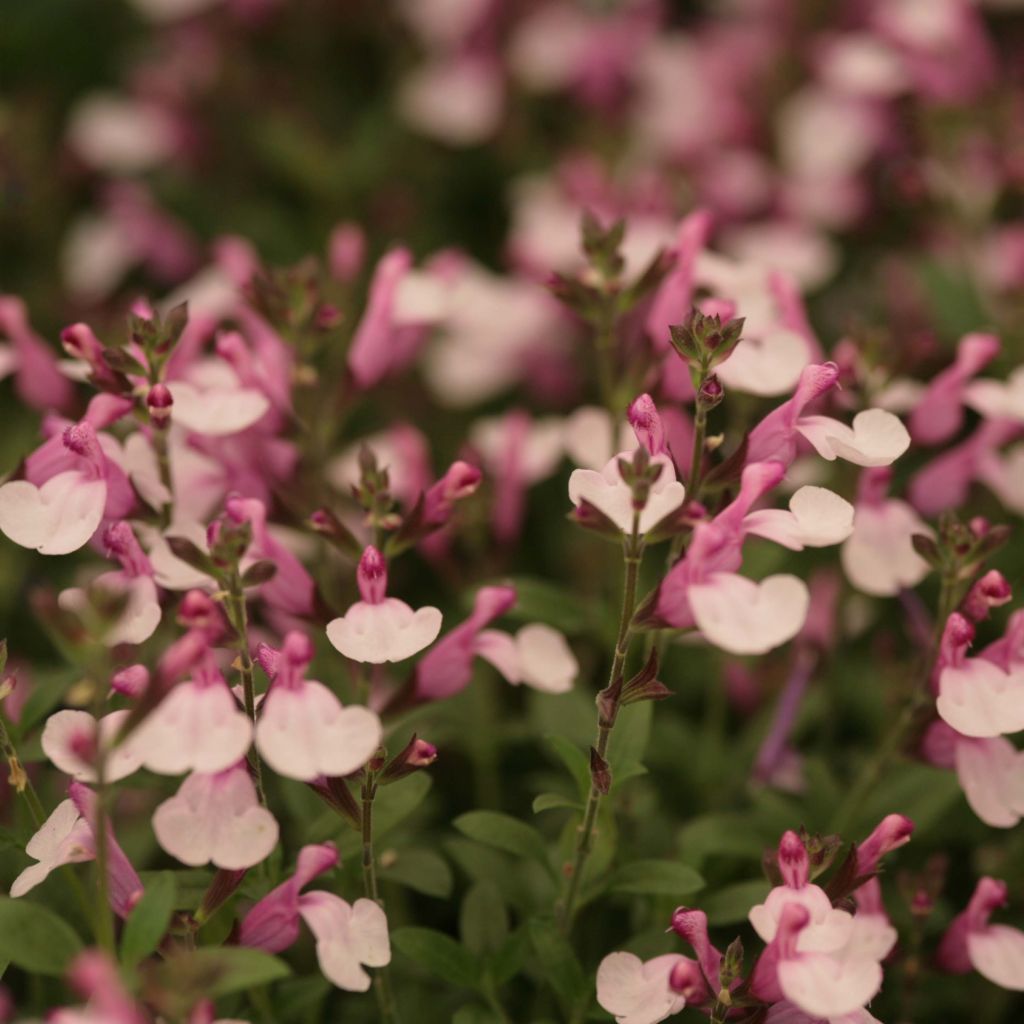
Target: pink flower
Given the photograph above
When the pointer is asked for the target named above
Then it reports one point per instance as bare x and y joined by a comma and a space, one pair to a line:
211, 399
877, 438
216, 818
347, 936
674, 297
977, 696
134, 583
124, 887
70, 740
64, 838
96, 977
303, 731
939, 413
385, 340
639, 992
61, 514
448, 667
996, 951
892, 832
879, 557
272, 924
380, 628
38, 381
197, 727
824, 983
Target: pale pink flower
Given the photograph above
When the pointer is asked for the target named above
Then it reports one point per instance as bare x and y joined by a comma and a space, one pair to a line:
826, 928
198, 726
212, 400
216, 819
995, 951
610, 494
348, 937
879, 557
990, 772
346, 251
589, 437
61, 514
977, 696
303, 731
456, 99
120, 134
647, 992
825, 984
742, 616
788, 1013
70, 740
817, 517
380, 628
64, 838
537, 656
133, 583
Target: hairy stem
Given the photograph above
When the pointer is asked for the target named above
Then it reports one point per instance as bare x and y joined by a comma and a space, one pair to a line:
381, 980
700, 429
632, 555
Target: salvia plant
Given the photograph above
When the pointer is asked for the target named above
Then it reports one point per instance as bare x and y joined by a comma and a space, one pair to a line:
583, 588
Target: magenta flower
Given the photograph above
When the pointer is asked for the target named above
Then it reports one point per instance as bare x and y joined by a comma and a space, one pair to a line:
995, 951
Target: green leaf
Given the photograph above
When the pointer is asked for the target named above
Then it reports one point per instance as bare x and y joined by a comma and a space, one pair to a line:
574, 759
503, 832
473, 1015
656, 878
553, 801
423, 870
483, 919
148, 921
217, 972
733, 903
34, 938
438, 953
719, 835
628, 742
559, 966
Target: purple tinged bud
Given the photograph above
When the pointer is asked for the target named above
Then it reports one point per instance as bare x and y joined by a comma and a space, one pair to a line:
372, 576
159, 402
686, 979
991, 591
793, 861
711, 392
647, 425
692, 925
131, 681
892, 832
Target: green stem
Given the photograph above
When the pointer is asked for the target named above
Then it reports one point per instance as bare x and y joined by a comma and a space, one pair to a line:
240, 622
104, 917
19, 777
700, 427
163, 461
381, 980
894, 740
632, 553
604, 343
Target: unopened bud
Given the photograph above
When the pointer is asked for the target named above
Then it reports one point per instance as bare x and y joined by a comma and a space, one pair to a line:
711, 393
159, 402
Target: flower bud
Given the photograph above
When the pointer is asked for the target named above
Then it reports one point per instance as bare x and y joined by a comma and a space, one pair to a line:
159, 402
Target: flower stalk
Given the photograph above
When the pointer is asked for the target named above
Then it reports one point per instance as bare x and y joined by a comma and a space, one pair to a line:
608, 703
